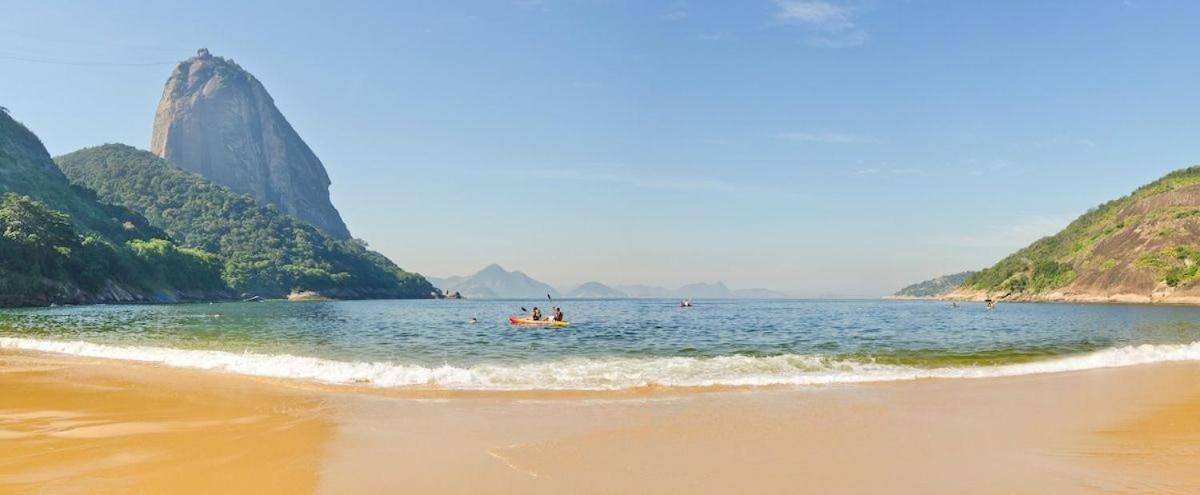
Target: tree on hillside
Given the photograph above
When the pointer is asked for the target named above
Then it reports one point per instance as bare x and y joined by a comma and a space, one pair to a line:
35, 236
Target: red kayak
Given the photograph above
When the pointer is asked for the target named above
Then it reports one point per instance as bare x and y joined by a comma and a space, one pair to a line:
519, 320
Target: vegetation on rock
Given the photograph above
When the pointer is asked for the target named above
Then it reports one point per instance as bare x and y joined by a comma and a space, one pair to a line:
261, 250
934, 287
59, 244
1140, 243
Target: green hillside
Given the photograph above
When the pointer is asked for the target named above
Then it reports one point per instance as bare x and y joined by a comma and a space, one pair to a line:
263, 251
934, 287
1145, 243
59, 244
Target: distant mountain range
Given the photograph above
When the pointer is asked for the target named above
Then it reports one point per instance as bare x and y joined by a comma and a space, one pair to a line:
494, 282
595, 290
716, 290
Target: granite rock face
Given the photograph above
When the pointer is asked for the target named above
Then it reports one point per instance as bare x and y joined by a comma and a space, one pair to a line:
1141, 248
217, 120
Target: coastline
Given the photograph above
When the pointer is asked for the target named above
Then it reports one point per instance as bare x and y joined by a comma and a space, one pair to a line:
964, 295
119, 426
188, 297
583, 376
894, 297
113, 294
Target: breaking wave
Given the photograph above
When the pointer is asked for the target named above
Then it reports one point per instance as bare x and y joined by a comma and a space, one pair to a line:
597, 373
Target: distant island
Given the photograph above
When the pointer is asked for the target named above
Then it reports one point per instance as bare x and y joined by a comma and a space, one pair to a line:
494, 282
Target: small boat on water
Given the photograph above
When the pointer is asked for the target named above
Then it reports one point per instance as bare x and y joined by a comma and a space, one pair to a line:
517, 320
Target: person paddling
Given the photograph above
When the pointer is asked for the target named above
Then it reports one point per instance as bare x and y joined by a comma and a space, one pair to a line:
558, 315
536, 315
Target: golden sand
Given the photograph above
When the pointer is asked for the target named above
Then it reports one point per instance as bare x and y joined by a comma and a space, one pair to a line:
80, 426
1054, 434
83, 426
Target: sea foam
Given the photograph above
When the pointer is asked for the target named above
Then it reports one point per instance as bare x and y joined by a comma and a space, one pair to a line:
596, 373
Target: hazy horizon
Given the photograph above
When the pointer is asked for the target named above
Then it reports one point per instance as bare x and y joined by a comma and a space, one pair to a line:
573, 285
809, 147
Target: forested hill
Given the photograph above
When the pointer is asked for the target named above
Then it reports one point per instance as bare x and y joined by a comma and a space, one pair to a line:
58, 244
263, 251
934, 287
27, 169
1144, 247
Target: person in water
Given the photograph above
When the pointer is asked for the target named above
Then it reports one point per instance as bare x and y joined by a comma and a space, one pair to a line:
536, 314
558, 316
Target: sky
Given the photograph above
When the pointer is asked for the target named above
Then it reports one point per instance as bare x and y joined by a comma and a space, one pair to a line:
820, 148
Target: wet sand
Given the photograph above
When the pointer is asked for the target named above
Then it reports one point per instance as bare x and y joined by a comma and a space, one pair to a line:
100, 426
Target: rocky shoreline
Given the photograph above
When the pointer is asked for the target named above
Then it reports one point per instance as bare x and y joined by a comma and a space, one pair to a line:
57, 293
1075, 298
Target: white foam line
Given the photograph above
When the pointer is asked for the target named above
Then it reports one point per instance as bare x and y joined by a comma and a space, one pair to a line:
596, 374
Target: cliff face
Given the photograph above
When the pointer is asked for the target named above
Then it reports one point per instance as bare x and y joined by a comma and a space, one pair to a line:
1142, 248
216, 119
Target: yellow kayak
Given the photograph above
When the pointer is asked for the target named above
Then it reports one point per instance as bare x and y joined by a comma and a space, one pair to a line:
516, 320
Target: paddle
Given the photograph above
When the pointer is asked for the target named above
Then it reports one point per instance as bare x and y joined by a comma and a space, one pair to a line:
523, 310
548, 298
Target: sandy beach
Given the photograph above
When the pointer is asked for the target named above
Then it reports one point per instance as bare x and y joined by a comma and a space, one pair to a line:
72, 425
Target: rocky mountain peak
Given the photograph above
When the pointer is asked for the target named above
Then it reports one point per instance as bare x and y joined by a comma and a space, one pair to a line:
216, 119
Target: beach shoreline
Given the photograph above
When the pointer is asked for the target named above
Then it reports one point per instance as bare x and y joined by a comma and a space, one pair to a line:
1058, 297
87, 425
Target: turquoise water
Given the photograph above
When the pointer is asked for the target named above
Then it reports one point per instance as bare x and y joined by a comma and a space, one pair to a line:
614, 344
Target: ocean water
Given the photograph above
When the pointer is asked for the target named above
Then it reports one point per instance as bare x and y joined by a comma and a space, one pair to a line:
614, 344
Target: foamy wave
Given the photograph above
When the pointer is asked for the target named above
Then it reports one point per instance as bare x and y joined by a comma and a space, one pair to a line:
596, 374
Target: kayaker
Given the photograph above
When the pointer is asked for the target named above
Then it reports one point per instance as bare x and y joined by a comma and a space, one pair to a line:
558, 316
536, 314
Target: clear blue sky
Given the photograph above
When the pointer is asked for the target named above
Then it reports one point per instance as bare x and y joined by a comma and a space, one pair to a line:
812, 147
